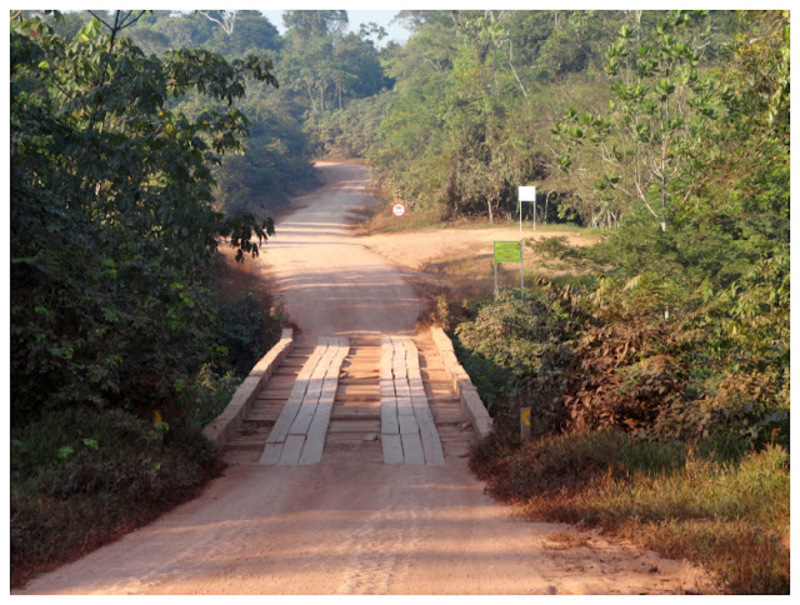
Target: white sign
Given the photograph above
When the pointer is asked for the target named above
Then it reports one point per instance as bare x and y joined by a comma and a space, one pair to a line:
399, 210
527, 194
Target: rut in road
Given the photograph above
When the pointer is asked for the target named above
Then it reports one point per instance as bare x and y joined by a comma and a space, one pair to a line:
355, 417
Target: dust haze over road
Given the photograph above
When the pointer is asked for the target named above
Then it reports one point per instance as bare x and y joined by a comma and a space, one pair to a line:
351, 525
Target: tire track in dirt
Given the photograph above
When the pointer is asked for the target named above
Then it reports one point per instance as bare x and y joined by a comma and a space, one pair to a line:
379, 548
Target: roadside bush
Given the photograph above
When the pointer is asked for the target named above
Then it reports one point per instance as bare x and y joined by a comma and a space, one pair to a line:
207, 394
113, 227
519, 348
629, 372
349, 132
731, 517
75, 473
571, 461
246, 330
247, 324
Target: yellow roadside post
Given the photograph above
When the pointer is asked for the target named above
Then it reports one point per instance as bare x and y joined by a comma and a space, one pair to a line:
525, 423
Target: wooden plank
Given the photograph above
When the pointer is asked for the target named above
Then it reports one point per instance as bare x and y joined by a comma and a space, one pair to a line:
354, 412
271, 454
287, 415
295, 399
418, 393
423, 415
399, 364
292, 450
412, 358
412, 448
389, 422
312, 395
387, 354
387, 387
317, 427
304, 417
402, 388
392, 449
431, 444
355, 426
404, 406
357, 392
408, 425
273, 450
315, 442
408, 410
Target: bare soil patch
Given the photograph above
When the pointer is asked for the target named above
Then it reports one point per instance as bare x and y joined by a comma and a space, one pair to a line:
457, 262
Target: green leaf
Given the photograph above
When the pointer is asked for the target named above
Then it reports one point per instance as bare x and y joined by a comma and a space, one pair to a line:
91, 30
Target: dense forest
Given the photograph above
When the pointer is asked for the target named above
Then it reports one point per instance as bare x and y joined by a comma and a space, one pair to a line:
144, 143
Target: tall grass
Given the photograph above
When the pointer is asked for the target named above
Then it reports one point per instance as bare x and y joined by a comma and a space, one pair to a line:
727, 513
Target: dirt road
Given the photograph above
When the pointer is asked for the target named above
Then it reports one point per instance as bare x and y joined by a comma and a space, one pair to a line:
349, 525
329, 282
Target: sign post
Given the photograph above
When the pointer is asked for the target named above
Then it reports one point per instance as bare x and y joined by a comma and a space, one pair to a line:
508, 252
527, 194
525, 423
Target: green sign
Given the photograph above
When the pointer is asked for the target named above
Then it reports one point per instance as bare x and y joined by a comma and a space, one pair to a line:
508, 252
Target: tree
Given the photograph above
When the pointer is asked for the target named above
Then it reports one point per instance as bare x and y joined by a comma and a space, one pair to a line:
253, 33
178, 29
577, 42
457, 85
113, 236
325, 67
225, 19
661, 101
306, 24
751, 197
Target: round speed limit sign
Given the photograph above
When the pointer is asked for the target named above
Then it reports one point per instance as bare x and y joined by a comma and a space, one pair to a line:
399, 210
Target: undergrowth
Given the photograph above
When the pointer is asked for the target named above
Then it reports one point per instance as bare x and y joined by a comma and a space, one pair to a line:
726, 511
659, 412
83, 477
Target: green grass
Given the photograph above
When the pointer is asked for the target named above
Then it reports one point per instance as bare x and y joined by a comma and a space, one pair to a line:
728, 513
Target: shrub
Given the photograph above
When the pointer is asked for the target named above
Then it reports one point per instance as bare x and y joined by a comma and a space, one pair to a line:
207, 395
628, 372
519, 348
572, 461
75, 473
246, 331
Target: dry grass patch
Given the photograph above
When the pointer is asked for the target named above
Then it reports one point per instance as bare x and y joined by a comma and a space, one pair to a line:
730, 516
564, 540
